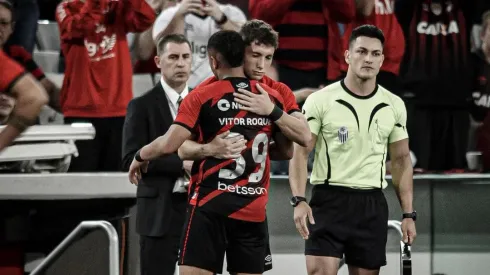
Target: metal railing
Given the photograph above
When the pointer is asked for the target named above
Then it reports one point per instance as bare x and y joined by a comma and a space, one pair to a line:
405, 252
82, 227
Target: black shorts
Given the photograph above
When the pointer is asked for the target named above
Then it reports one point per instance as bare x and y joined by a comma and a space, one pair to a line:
268, 253
351, 222
207, 236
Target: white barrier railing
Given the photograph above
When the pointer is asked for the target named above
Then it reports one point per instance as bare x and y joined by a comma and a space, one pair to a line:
82, 227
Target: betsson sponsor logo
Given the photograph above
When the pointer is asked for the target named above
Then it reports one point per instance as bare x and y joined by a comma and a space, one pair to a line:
241, 190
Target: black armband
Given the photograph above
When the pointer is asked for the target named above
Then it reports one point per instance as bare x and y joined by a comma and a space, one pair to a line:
137, 156
276, 113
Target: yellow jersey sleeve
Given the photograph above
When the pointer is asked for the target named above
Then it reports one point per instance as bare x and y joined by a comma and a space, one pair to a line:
399, 131
313, 114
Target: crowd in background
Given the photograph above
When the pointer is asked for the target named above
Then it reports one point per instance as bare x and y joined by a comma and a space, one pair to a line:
437, 56
437, 59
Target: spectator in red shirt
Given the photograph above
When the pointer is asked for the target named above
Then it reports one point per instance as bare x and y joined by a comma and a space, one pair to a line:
309, 52
23, 57
144, 46
382, 15
98, 77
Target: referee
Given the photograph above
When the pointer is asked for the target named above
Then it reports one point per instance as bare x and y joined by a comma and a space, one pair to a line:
352, 122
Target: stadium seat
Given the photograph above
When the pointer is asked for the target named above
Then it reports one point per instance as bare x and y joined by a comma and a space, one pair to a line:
45, 148
48, 36
56, 78
47, 60
48, 116
141, 84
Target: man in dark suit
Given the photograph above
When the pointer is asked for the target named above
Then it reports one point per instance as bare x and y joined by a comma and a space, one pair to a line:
161, 194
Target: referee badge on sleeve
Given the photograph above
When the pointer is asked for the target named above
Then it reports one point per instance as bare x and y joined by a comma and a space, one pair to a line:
343, 134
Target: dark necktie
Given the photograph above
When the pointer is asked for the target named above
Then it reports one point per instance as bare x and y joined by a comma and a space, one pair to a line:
179, 100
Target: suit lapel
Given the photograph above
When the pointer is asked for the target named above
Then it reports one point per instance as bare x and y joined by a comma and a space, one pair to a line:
163, 107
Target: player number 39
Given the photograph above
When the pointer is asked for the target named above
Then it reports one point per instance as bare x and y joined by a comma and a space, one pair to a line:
258, 156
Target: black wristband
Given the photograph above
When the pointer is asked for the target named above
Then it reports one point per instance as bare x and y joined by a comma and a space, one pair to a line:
276, 113
296, 200
222, 20
137, 156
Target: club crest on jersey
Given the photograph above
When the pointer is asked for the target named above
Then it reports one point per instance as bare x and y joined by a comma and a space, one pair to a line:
343, 134
242, 85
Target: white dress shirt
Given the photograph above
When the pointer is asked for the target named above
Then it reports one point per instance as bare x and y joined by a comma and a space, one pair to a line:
172, 98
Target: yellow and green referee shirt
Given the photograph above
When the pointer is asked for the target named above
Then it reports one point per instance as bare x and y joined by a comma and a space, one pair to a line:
352, 134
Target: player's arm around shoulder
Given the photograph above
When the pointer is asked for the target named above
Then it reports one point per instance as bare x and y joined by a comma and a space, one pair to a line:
180, 131
221, 147
292, 108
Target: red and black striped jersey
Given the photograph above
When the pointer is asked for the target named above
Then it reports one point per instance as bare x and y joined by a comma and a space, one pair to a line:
11, 71
290, 105
237, 188
436, 65
24, 58
309, 34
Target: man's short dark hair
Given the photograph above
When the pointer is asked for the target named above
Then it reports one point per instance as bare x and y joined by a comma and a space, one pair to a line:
260, 32
230, 45
171, 38
367, 31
